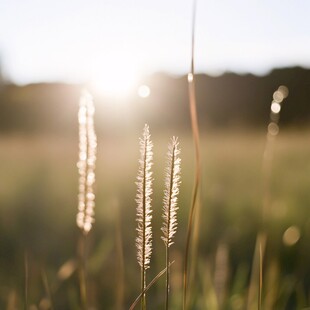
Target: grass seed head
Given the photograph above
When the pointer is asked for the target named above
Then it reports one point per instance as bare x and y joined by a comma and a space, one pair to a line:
143, 200
86, 163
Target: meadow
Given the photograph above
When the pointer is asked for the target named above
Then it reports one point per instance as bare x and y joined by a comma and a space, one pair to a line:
38, 205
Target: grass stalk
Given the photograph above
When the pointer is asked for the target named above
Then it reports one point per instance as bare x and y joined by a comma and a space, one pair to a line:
195, 132
86, 163
172, 182
261, 256
83, 270
86, 196
144, 212
167, 278
143, 285
26, 280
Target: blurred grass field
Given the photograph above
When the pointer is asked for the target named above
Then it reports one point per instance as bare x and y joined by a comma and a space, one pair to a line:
38, 204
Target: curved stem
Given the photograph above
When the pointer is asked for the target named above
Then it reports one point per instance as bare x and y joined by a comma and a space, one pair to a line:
195, 130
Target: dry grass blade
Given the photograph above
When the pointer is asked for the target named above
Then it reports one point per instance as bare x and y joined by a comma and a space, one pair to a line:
144, 212
195, 130
148, 287
172, 183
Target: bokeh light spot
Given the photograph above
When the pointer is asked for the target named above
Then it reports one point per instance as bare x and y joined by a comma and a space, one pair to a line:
273, 129
291, 236
144, 91
284, 90
275, 107
278, 96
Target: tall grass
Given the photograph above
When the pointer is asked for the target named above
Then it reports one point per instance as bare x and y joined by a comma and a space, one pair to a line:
86, 196
144, 211
86, 205
237, 169
170, 207
86, 163
197, 181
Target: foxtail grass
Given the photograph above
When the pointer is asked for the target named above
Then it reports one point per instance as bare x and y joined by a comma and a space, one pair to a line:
197, 181
86, 196
144, 211
86, 163
170, 204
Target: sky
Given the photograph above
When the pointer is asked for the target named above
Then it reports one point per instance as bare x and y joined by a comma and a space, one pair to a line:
82, 40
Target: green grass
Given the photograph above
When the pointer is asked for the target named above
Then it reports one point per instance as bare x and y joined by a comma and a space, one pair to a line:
38, 203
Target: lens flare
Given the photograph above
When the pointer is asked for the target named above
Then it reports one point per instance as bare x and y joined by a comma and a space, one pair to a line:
144, 91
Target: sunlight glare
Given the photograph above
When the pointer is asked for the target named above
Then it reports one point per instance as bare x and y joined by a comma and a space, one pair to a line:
190, 77
117, 82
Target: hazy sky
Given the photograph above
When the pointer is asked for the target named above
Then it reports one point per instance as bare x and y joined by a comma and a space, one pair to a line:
77, 40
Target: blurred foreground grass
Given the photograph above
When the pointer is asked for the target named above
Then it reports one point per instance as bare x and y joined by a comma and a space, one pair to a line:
38, 203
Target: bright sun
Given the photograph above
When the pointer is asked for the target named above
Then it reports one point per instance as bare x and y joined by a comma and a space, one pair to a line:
114, 80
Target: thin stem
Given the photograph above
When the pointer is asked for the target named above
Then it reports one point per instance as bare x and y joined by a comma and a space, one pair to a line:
83, 271
26, 266
167, 277
168, 228
195, 130
148, 287
143, 199
266, 178
260, 276
143, 282
120, 264
143, 301
256, 280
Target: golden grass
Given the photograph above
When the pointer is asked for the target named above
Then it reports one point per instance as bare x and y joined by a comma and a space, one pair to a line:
144, 210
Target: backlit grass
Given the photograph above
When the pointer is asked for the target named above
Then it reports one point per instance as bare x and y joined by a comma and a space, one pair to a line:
37, 211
